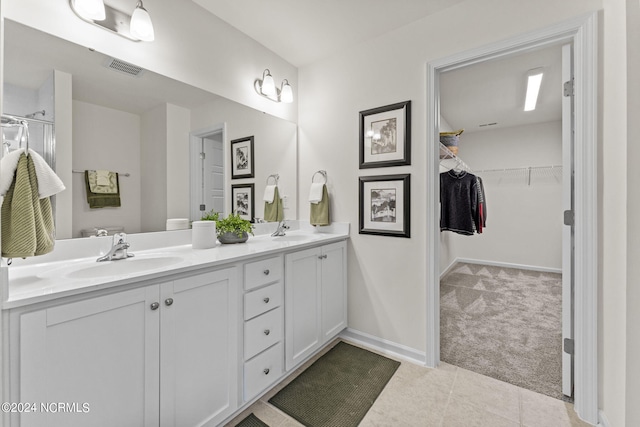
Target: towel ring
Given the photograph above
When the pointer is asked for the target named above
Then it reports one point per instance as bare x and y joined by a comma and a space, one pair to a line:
275, 177
321, 172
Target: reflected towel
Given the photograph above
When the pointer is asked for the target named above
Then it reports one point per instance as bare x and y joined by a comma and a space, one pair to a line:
48, 182
273, 212
102, 200
103, 177
319, 214
315, 193
27, 219
269, 192
110, 188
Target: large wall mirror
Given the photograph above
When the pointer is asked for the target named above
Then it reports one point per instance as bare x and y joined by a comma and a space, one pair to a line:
149, 128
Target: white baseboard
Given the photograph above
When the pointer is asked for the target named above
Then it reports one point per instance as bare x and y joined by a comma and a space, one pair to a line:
449, 267
506, 265
603, 421
384, 346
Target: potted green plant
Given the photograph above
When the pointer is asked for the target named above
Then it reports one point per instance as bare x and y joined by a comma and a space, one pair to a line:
233, 229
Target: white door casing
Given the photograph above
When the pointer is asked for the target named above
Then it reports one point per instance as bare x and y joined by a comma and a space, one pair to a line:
581, 32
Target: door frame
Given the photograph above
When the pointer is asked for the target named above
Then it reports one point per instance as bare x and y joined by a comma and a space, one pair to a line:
582, 32
194, 138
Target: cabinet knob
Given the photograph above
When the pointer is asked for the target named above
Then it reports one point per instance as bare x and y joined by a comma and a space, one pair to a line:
168, 301
266, 272
266, 371
266, 300
155, 305
322, 256
267, 331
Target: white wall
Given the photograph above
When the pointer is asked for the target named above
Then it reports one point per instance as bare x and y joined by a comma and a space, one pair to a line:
219, 58
387, 276
275, 149
63, 112
153, 169
104, 138
524, 224
178, 126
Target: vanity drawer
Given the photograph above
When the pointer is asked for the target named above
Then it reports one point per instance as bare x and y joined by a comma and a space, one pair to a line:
262, 272
262, 300
262, 332
262, 371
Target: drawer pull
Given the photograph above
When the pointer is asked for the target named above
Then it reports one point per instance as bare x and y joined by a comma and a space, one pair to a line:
168, 301
266, 272
267, 331
266, 371
154, 306
266, 300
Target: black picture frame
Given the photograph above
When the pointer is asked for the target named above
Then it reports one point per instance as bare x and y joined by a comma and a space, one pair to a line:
242, 158
243, 201
392, 125
385, 205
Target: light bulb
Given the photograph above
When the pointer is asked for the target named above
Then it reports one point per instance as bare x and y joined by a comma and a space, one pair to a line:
92, 10
286, 93
141, 26
268, 86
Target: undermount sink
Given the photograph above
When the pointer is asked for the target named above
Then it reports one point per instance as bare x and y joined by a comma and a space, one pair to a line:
116, 268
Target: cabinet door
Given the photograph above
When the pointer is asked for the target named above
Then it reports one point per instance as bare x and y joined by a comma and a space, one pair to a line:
334, 290
102, 352
199, 349
302, 305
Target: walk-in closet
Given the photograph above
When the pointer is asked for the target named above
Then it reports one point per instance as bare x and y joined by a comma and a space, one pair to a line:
501, 217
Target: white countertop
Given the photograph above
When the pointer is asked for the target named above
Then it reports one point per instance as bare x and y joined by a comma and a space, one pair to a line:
60, 277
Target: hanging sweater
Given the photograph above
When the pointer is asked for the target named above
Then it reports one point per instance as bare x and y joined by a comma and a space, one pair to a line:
458, 202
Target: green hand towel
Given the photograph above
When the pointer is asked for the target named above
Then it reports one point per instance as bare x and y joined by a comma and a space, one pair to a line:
320, 211
27, 221
102, 200
273, 212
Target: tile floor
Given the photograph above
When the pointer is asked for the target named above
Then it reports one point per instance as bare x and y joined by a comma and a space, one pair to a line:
444, 397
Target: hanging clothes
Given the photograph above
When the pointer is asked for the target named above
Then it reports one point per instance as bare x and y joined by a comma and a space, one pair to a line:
461, 210
481, 219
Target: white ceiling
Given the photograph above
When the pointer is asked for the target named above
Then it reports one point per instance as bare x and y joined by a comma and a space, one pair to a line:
494, 91
304, 31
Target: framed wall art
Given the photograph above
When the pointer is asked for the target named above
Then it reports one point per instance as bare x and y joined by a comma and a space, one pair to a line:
385, 205
242, 161
385, 136
242, 201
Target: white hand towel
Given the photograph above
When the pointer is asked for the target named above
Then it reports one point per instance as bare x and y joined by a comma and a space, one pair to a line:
48, 182
315, 194
269, 192
103, 177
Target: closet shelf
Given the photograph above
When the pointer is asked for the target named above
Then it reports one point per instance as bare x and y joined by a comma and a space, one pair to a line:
450, 161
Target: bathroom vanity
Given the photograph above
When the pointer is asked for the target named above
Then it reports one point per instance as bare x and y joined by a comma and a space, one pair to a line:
171, 337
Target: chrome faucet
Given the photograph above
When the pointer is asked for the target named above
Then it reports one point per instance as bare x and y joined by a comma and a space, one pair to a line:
118, 250
282, 227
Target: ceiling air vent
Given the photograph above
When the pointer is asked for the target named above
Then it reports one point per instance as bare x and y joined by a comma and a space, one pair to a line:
124, 67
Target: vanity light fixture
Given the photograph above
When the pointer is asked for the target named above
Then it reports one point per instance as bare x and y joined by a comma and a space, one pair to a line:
141, 25
534, 80
137, 27
90, 9
267, 88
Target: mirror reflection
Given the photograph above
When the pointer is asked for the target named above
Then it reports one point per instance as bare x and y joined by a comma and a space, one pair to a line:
168, 141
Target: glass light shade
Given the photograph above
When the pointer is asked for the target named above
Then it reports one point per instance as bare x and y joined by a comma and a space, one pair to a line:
268, 86
92, 10
141, 26
286, 93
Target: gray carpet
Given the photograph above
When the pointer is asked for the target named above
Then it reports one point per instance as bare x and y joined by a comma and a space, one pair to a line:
504, 323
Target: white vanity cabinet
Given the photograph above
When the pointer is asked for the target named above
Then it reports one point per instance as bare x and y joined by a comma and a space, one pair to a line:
315, 299
159, 355
263, 325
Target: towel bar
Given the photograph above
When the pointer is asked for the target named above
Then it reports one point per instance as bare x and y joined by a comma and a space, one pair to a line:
119, 174
321, 172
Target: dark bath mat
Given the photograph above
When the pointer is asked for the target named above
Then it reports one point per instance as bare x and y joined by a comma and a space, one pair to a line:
338, 389
251, 421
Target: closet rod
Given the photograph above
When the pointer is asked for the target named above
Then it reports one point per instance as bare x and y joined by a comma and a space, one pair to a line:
119, 174
525, 168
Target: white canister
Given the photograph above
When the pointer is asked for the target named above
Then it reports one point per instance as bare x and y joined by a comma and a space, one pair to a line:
203, 234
